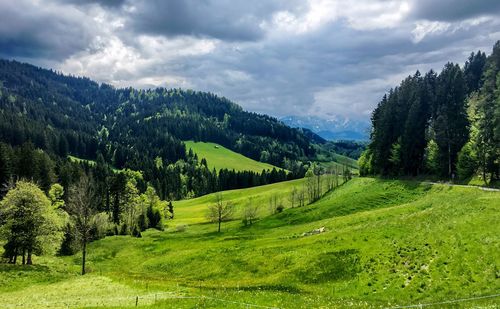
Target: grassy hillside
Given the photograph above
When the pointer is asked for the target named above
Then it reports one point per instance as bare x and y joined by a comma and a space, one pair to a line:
386, 243
219, 157
194, 210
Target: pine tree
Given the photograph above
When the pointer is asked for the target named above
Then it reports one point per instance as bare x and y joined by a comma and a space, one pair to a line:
473, 71
487, 121
450, 121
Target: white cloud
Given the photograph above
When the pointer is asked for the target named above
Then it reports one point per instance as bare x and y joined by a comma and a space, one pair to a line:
424, 28
317, 57
359, 15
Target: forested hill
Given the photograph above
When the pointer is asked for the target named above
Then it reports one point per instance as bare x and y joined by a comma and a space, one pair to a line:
112, 129
65, 114
445, 124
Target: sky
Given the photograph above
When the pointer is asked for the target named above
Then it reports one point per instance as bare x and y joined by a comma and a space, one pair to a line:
325, 58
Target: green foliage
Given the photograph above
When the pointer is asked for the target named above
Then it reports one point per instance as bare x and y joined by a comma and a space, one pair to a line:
467, 162
395, 156
450, 122
386, 243
422, 125
473, 70
30, 224
486, 122
431, 157
365, 163
56, 193
152, 215
399, 125
139, 130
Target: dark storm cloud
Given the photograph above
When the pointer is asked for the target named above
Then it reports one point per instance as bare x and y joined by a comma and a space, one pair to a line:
453, 10
279, 57
234, 20
31, 31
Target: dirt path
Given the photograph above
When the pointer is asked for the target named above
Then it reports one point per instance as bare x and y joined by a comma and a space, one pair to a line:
463, 186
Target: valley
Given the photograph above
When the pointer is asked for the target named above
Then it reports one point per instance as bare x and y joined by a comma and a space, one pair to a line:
232, 154
386, 243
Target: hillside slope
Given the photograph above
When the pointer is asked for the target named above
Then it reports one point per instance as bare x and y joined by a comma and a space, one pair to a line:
219, 157
136, 129
386, 243
131, 127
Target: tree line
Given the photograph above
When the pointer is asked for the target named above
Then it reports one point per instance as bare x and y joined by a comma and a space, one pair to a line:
445, 124
317, 182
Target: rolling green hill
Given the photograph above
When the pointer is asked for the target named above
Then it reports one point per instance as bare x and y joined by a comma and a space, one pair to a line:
385, 243
219, 157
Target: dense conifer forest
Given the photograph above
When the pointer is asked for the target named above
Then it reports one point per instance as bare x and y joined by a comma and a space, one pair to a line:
445, 124
47, 116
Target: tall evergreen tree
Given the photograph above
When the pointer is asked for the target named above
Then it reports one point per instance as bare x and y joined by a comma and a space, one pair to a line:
450, 121
487, 120
473, 71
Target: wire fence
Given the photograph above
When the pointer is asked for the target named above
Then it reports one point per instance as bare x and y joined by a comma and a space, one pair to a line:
446, 302
152, 298
127, 301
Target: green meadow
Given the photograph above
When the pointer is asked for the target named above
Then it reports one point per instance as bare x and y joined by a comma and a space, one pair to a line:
219, 157
385, 243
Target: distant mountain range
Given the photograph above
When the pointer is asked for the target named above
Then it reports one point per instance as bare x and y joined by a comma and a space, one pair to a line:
338, 128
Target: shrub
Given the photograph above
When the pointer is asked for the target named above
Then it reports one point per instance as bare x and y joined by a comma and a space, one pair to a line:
466, 164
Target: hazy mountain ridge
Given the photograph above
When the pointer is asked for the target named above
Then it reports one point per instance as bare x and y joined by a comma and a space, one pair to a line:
338, 128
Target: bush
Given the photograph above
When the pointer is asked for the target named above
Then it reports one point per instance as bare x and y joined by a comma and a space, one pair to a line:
466, 164
101, 226
68, 245
365, 163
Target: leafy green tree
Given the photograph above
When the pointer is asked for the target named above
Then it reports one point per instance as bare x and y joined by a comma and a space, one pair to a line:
151, 209
131, 206
31, 224
365, 163
56, 193
431, 157
467, 162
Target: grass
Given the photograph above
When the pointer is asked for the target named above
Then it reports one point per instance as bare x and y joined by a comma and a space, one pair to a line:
219, 157
193, 211
80, 160
386, 243
334, 160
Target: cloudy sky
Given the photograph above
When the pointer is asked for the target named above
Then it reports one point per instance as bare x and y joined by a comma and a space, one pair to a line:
327, 58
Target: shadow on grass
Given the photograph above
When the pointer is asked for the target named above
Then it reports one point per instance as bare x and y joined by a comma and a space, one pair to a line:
266, 287
6, 267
